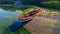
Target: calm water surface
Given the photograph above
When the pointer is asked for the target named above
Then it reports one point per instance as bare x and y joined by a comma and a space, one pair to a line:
7, 18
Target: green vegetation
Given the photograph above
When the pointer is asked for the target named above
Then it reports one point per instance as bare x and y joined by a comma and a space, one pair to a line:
22, 31
24, 9
27, 10
51, 5
12, 8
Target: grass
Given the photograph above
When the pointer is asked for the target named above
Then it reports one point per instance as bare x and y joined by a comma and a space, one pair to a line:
20, 31
55, 5
23, 30
12, 8
24, 10
27, 10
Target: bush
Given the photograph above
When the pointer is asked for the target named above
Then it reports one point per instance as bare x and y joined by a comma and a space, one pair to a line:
51, 5
12, 8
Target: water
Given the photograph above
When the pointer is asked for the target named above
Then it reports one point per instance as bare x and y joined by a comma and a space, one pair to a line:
18, 3
8, 17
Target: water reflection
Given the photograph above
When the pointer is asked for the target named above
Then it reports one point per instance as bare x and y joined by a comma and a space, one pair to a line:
18, 3
10, 8
7, 18
9, 14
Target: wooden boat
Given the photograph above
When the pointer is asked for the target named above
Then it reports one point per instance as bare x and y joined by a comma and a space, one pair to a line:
29, 15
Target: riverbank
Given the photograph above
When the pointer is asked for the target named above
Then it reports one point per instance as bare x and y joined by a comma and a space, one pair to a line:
46, 22
8, 17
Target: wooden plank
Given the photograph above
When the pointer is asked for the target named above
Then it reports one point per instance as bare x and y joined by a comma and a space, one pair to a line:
44, 23
41, 25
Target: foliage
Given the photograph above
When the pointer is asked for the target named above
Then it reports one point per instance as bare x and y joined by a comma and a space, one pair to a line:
27, 10
22, 31
51, 5
24, 9
29, 2
12, 8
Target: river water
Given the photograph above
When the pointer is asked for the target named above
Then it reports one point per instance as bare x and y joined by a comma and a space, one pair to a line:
7, 17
